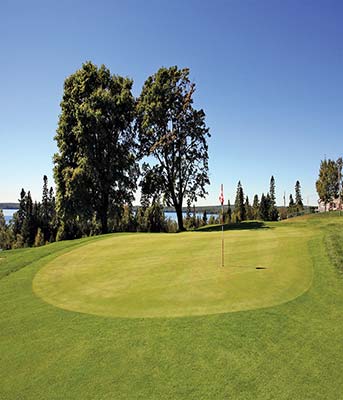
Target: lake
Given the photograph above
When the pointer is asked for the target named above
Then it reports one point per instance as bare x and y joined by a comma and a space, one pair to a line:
8, 213
172, 215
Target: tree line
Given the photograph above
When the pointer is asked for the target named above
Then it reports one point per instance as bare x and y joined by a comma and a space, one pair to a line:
109, 145
263, 208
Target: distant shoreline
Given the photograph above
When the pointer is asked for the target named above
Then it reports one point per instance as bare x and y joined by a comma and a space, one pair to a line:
9, 206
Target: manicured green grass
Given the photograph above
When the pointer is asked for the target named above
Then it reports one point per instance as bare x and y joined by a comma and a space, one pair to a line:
161, 275
291, 350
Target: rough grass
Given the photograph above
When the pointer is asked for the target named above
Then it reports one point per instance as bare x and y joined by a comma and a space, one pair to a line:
289, 351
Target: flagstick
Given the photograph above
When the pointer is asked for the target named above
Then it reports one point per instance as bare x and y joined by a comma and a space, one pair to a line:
223, 234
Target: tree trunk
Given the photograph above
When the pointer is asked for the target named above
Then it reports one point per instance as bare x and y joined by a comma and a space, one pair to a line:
178, 209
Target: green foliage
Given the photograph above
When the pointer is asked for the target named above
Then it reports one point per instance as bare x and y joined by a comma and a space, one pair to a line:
175, 134
39, 239
273, 214
6, 237
298, 199
264, 207
128, 223
154, 218
140, 221
248, 209
95, 167
256, 207
229, 212
328, 182
239, 210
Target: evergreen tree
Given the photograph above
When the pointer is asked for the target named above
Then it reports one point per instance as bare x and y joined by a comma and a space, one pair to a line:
229, 212
53, 222
248, 209
28, 230
45, 217
239, 211
298, 199
291, 205
19, 216
6, 238
264, 208
256, 207
273, 212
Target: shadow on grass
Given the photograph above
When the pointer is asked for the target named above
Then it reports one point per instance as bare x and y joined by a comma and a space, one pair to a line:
235, 227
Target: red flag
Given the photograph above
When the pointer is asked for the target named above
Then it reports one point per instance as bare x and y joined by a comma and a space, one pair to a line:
221, 196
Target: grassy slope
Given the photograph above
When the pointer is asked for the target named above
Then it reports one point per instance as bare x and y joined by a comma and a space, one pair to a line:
291, 351
180, 275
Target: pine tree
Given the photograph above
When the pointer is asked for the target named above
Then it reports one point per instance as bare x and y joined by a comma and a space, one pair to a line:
53, 222
248, 209
273, 212
19, 216
256, 207
264, 208
239, 211
298, 199
291, 205
5, 234
45, 210
28, 231
229, 212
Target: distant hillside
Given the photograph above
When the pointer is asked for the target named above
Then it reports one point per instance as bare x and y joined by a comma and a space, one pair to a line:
6, 206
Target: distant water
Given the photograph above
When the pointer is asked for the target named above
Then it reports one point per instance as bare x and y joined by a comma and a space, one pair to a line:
8, 214
172, 215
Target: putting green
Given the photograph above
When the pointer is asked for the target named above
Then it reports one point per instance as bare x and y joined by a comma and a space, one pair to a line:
168, 275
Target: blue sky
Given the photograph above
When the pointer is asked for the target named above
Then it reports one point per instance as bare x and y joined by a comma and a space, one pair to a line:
269, 76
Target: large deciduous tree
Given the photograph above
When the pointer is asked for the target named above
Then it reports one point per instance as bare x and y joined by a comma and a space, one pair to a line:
175, 134
95, 166
327, 184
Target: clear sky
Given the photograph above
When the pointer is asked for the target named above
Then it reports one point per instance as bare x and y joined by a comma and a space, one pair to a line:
269, 76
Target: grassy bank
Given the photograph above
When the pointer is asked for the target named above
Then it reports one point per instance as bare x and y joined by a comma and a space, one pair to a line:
291, 350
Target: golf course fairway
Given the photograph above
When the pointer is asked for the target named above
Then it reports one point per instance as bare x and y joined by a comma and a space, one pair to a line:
155, 316
161, 275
